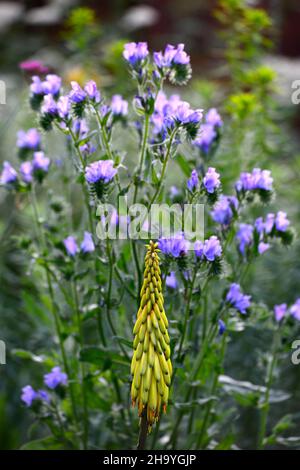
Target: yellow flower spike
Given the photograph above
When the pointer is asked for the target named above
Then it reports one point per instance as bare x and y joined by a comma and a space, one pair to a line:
151, 365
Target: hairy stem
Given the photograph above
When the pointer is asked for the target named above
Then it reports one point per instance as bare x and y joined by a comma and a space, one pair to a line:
269, 379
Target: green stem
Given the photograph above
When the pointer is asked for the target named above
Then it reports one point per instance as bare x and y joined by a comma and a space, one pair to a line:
91, 224
82, 366
142, 155
108, 298
84, 187
54, 311
167, 156
269, 379
187, 312
106, 144
208, 406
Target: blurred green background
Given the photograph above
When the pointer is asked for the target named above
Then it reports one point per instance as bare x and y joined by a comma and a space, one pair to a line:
87, 43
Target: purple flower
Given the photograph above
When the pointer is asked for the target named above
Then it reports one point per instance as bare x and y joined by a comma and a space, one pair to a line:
119, 106
213, 118
193, 181
9, 174
269, 223
70, 245
211, 180
258, 179
29, 140
222, 327
172, 55
245, 182
244, 236
237, 299
87, 245
180, 56
102, 170
212, 248
174, 191
43, 396
77, 95
175, 246
92, 91
280, 311
205, 138
63, 107
87, 149
185, 115
28, 395
55, 377
33, 66
40, 162
281, 221
295, 310
49, 105
224, 209
262, 247
80, 128
171, 280
36, 86
259, 225
198, 248
26, 170
51, 85
262, 179
135, 52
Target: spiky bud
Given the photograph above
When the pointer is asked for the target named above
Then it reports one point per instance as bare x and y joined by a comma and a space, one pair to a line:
151, 364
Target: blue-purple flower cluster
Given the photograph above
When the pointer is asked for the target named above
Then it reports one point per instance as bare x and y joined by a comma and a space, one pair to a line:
175, 247
52, 380
209, 131
30, 170
224, 210
210, 250
282, 311
87, 245
237, 299
259, 181
210, 184
171, 114
274, 225
173, 63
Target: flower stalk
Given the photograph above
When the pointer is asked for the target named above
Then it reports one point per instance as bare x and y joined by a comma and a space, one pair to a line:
151, 366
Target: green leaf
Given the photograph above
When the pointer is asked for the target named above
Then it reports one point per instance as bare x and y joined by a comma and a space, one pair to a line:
193, 403
124, 341
46, 443
183, 164
22, 354
102, 357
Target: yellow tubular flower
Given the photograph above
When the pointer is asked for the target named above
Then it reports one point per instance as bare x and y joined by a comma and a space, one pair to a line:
151, 364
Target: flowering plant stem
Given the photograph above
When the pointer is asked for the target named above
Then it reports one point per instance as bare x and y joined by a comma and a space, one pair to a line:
91, 224
164, 167
269, 379
142, 155
83, 372
208, 406
54, 311
135, 196
106, 143
187, 311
